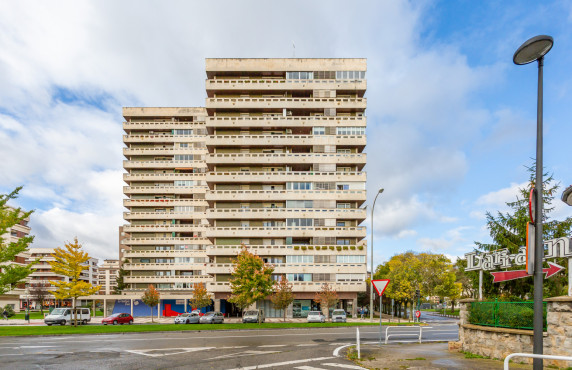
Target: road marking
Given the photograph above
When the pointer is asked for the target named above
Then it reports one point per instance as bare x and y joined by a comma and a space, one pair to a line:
13, 354
337, 350
307, 345
144, 352
272, 345
37, 346
242, 354
345, 366
264, 366
309, 368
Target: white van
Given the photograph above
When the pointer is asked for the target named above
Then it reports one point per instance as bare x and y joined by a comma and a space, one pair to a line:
63, 316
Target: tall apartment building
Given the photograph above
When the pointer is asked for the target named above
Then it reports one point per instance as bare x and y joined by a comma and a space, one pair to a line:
12, 235
108, 273
165, 239
285, 173
43, 274
274, 162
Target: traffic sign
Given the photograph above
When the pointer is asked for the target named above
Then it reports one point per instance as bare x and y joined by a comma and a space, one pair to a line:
380, 285
501, 276
418, 314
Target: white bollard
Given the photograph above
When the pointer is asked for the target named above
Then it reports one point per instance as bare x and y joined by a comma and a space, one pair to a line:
358, 344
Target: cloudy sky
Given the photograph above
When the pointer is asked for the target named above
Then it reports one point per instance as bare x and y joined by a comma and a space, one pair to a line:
451, 120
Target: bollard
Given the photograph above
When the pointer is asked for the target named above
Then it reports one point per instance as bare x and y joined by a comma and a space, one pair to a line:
358, 344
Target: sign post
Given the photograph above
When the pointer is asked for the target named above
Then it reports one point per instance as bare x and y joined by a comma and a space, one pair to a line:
380, 286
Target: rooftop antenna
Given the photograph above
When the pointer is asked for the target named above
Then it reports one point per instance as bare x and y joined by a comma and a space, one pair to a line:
293, 50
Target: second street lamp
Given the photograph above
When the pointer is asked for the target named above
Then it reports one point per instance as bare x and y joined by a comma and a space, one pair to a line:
371, 276
532, 50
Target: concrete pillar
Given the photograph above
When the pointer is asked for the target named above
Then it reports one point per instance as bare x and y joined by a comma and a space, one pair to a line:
104, 307
186, 304
217, 305
290, 311
354, 307
131, 306
159, 309
93, 308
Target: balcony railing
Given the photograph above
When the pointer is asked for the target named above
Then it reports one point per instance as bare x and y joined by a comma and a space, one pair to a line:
281, 81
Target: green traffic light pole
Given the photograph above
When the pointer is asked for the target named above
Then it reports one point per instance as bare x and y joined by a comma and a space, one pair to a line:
532, 50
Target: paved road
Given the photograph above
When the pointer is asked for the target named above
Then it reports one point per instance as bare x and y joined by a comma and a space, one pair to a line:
304, 349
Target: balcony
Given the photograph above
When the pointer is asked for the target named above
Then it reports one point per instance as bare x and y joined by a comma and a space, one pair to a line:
164, 164
298, 287
162, 125
166, 241
284, 250
168, 279
285, 103
162, 151
281, 213
283, 84
162, 215
286, 231
163, 189
286, 158
163, 138
169, 253
163, 202
283, 195
266, 122
285, 140
164, 266
128, 177
163, 228
299, 268
284, 176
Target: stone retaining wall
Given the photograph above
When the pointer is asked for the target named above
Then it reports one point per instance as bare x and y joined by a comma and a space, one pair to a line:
500, 342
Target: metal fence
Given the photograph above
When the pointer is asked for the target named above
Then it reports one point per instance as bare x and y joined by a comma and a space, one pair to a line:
515, 315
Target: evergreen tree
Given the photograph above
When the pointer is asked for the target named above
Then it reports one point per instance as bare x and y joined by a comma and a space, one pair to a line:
508, 230
121, 273
12, 274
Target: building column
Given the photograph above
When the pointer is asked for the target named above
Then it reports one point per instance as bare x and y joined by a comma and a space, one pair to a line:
354, 307
217, 305
104, 307
186, 304
93, 308
131, 301
159, 309
290, 311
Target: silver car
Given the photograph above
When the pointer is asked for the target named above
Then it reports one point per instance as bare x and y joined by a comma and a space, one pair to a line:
339, 316
212, 318
316, 316
187, 318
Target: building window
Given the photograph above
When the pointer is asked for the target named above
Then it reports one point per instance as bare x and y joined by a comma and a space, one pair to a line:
299, 204
185, 132
299, 186
299, 222
299, 75
350, 277
318, 130
300, 259
350, 75
350, 130
299, 277
350, 259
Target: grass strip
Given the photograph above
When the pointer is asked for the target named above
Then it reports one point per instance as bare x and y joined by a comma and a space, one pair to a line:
97, 329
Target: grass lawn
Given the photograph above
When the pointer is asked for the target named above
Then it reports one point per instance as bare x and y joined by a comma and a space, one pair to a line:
92, 329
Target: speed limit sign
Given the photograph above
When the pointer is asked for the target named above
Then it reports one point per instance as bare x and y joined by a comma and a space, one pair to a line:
418, 314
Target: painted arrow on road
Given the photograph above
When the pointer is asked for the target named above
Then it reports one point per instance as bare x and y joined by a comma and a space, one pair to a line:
517, 274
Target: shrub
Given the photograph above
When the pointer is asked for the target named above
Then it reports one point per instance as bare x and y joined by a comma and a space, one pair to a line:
9, 310
331, 247
303, 247
353, 248
311, 247
296, 247
360, 247
339, 248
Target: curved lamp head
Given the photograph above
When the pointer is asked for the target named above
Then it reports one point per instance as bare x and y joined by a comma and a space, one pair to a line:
380, 190
567, 196
533, 49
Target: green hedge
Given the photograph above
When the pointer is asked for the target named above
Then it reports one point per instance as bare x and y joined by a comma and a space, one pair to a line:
515, 315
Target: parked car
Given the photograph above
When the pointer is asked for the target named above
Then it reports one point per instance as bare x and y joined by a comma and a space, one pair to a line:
212, 318
187, 318
253, 316
316, 316
339, 316
118, 318
63, 316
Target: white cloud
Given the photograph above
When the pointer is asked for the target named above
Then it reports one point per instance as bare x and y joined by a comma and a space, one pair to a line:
496, 200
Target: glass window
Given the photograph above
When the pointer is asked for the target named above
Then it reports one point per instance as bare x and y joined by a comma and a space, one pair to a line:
184, 183
300, 259
299, 222
318, 130
350, 259
185, 132
299, 277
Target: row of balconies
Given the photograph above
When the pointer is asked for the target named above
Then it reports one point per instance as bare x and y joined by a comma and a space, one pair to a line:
163, 202
284, 250
276, 213
164, 228
283, 84
170, 125
162, 253
165, 240
163, 215
164, 164
298, 286
285, 268
280, 121
164, 266
285, 103
163, 138
282, 195
286, 158
247, 176
163, 151
168, 278
285, 140
164, 189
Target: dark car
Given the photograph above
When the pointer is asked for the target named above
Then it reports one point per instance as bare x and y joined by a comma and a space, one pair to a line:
118, 318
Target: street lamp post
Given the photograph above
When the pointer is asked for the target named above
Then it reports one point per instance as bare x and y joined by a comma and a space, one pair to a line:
371, 276
532, 50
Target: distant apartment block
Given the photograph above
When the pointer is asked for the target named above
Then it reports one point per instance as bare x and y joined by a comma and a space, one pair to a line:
108, 273
279, 170
13, 234
44, 275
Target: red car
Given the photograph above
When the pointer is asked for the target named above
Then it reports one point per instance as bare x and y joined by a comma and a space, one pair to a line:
118, 318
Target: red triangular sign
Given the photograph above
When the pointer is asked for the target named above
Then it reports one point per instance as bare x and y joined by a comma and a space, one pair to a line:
380, 285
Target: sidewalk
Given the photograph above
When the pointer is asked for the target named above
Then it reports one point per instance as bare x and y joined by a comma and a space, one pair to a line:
423, 356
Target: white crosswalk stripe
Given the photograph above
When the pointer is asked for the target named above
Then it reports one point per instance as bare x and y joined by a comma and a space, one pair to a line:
309, 368
344, 366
